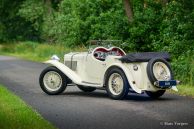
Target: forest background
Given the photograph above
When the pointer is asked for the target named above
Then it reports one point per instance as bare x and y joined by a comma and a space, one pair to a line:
144, 25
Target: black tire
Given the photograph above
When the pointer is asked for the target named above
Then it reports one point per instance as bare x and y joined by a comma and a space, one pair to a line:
156, 94
152, 78
150, 65
125, 86
86, 88
63, 83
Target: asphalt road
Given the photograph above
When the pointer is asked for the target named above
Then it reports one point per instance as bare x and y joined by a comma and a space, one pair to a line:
75, 109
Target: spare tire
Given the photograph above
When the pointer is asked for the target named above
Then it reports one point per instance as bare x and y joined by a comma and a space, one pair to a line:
158, 69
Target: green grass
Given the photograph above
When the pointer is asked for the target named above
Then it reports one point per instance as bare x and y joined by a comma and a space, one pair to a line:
15, 114
35, 51
184, 90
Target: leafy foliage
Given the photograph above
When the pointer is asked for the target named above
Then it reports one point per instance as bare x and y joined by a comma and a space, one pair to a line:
78, 21
32, 11
12, 26
156, 25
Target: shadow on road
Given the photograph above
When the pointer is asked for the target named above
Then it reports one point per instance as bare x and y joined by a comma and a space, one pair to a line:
130, 96
143, 97
86, 94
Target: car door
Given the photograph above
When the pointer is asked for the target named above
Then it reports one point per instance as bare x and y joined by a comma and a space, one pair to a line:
95, 70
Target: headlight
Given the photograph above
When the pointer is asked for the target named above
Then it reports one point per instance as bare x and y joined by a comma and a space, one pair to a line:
55, 57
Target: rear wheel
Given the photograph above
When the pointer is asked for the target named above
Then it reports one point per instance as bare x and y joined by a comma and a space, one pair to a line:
116, 83
156, 94
86, 88
52, 81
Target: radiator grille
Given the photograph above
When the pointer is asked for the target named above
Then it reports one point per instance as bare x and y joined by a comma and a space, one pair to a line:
71, 64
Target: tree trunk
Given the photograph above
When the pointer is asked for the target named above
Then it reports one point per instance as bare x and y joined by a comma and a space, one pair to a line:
145, 4
48, 6
164, 2
128, 9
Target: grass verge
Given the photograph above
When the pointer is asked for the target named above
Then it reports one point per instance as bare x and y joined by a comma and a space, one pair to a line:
184, 90
36, 51
15, 114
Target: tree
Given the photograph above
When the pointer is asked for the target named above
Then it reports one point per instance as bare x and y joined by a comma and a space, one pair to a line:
164, 2
128, 9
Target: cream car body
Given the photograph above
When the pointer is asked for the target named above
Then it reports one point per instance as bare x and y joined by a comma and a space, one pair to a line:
90, 69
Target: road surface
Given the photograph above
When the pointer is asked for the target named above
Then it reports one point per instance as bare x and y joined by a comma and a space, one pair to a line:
75, 109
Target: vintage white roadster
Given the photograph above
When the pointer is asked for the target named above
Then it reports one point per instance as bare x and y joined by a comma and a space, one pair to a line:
111, 69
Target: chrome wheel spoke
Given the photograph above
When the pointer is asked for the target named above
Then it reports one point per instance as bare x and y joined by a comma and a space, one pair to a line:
52, 81
161, 71
115, 84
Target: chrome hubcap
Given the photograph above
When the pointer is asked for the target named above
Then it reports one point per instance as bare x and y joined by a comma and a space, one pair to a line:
52, 81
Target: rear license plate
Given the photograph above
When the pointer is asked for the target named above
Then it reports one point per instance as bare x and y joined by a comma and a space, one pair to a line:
167, 83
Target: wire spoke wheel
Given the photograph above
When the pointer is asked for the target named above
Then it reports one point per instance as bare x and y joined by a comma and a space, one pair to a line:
52, 81
115, 83
161, 71
158, 69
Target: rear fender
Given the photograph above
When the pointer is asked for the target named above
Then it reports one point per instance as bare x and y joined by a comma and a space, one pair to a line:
128, 75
